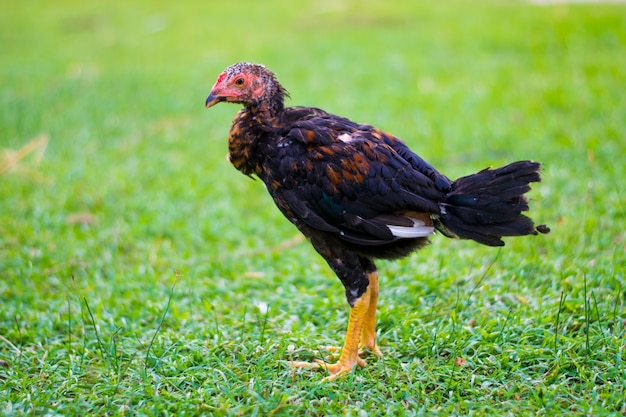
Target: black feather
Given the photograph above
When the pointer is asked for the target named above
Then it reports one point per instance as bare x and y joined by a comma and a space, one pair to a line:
488, 205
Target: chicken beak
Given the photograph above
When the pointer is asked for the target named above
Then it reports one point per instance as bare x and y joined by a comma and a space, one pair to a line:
213, 99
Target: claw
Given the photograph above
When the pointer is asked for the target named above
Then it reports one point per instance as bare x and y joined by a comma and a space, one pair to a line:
303, 365
335, 370
370, 349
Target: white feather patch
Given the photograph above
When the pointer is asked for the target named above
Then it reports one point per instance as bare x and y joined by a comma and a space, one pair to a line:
419, 229
346, 138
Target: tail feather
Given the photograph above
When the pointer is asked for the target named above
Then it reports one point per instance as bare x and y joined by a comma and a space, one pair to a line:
488, 205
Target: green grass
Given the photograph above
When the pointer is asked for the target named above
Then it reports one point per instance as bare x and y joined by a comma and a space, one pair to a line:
140, 274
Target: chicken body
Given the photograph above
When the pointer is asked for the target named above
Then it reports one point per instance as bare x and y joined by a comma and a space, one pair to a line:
359, 193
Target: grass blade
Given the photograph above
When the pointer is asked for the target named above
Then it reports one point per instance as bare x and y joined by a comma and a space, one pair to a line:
556, 326
156, 332
95, 329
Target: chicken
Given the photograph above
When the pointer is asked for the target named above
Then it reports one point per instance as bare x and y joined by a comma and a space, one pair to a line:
358, 193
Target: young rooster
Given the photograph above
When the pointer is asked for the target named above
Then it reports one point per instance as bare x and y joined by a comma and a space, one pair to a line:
358, 193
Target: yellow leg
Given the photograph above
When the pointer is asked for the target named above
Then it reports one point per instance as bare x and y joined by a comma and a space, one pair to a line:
368, 334
362, 314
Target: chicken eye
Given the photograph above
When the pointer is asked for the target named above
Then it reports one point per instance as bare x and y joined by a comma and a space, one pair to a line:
239, 82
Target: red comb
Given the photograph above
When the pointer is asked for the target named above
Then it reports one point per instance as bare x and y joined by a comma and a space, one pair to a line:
221, 78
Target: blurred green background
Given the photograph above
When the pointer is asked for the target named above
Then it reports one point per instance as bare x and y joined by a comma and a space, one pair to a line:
137, 266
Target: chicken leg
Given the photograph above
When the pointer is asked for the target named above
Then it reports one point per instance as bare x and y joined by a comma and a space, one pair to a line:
368, 332
361, 332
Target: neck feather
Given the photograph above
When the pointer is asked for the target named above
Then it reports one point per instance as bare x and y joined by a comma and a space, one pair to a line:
272, 103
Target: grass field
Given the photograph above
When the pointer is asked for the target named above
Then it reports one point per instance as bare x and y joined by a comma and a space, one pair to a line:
140, 274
